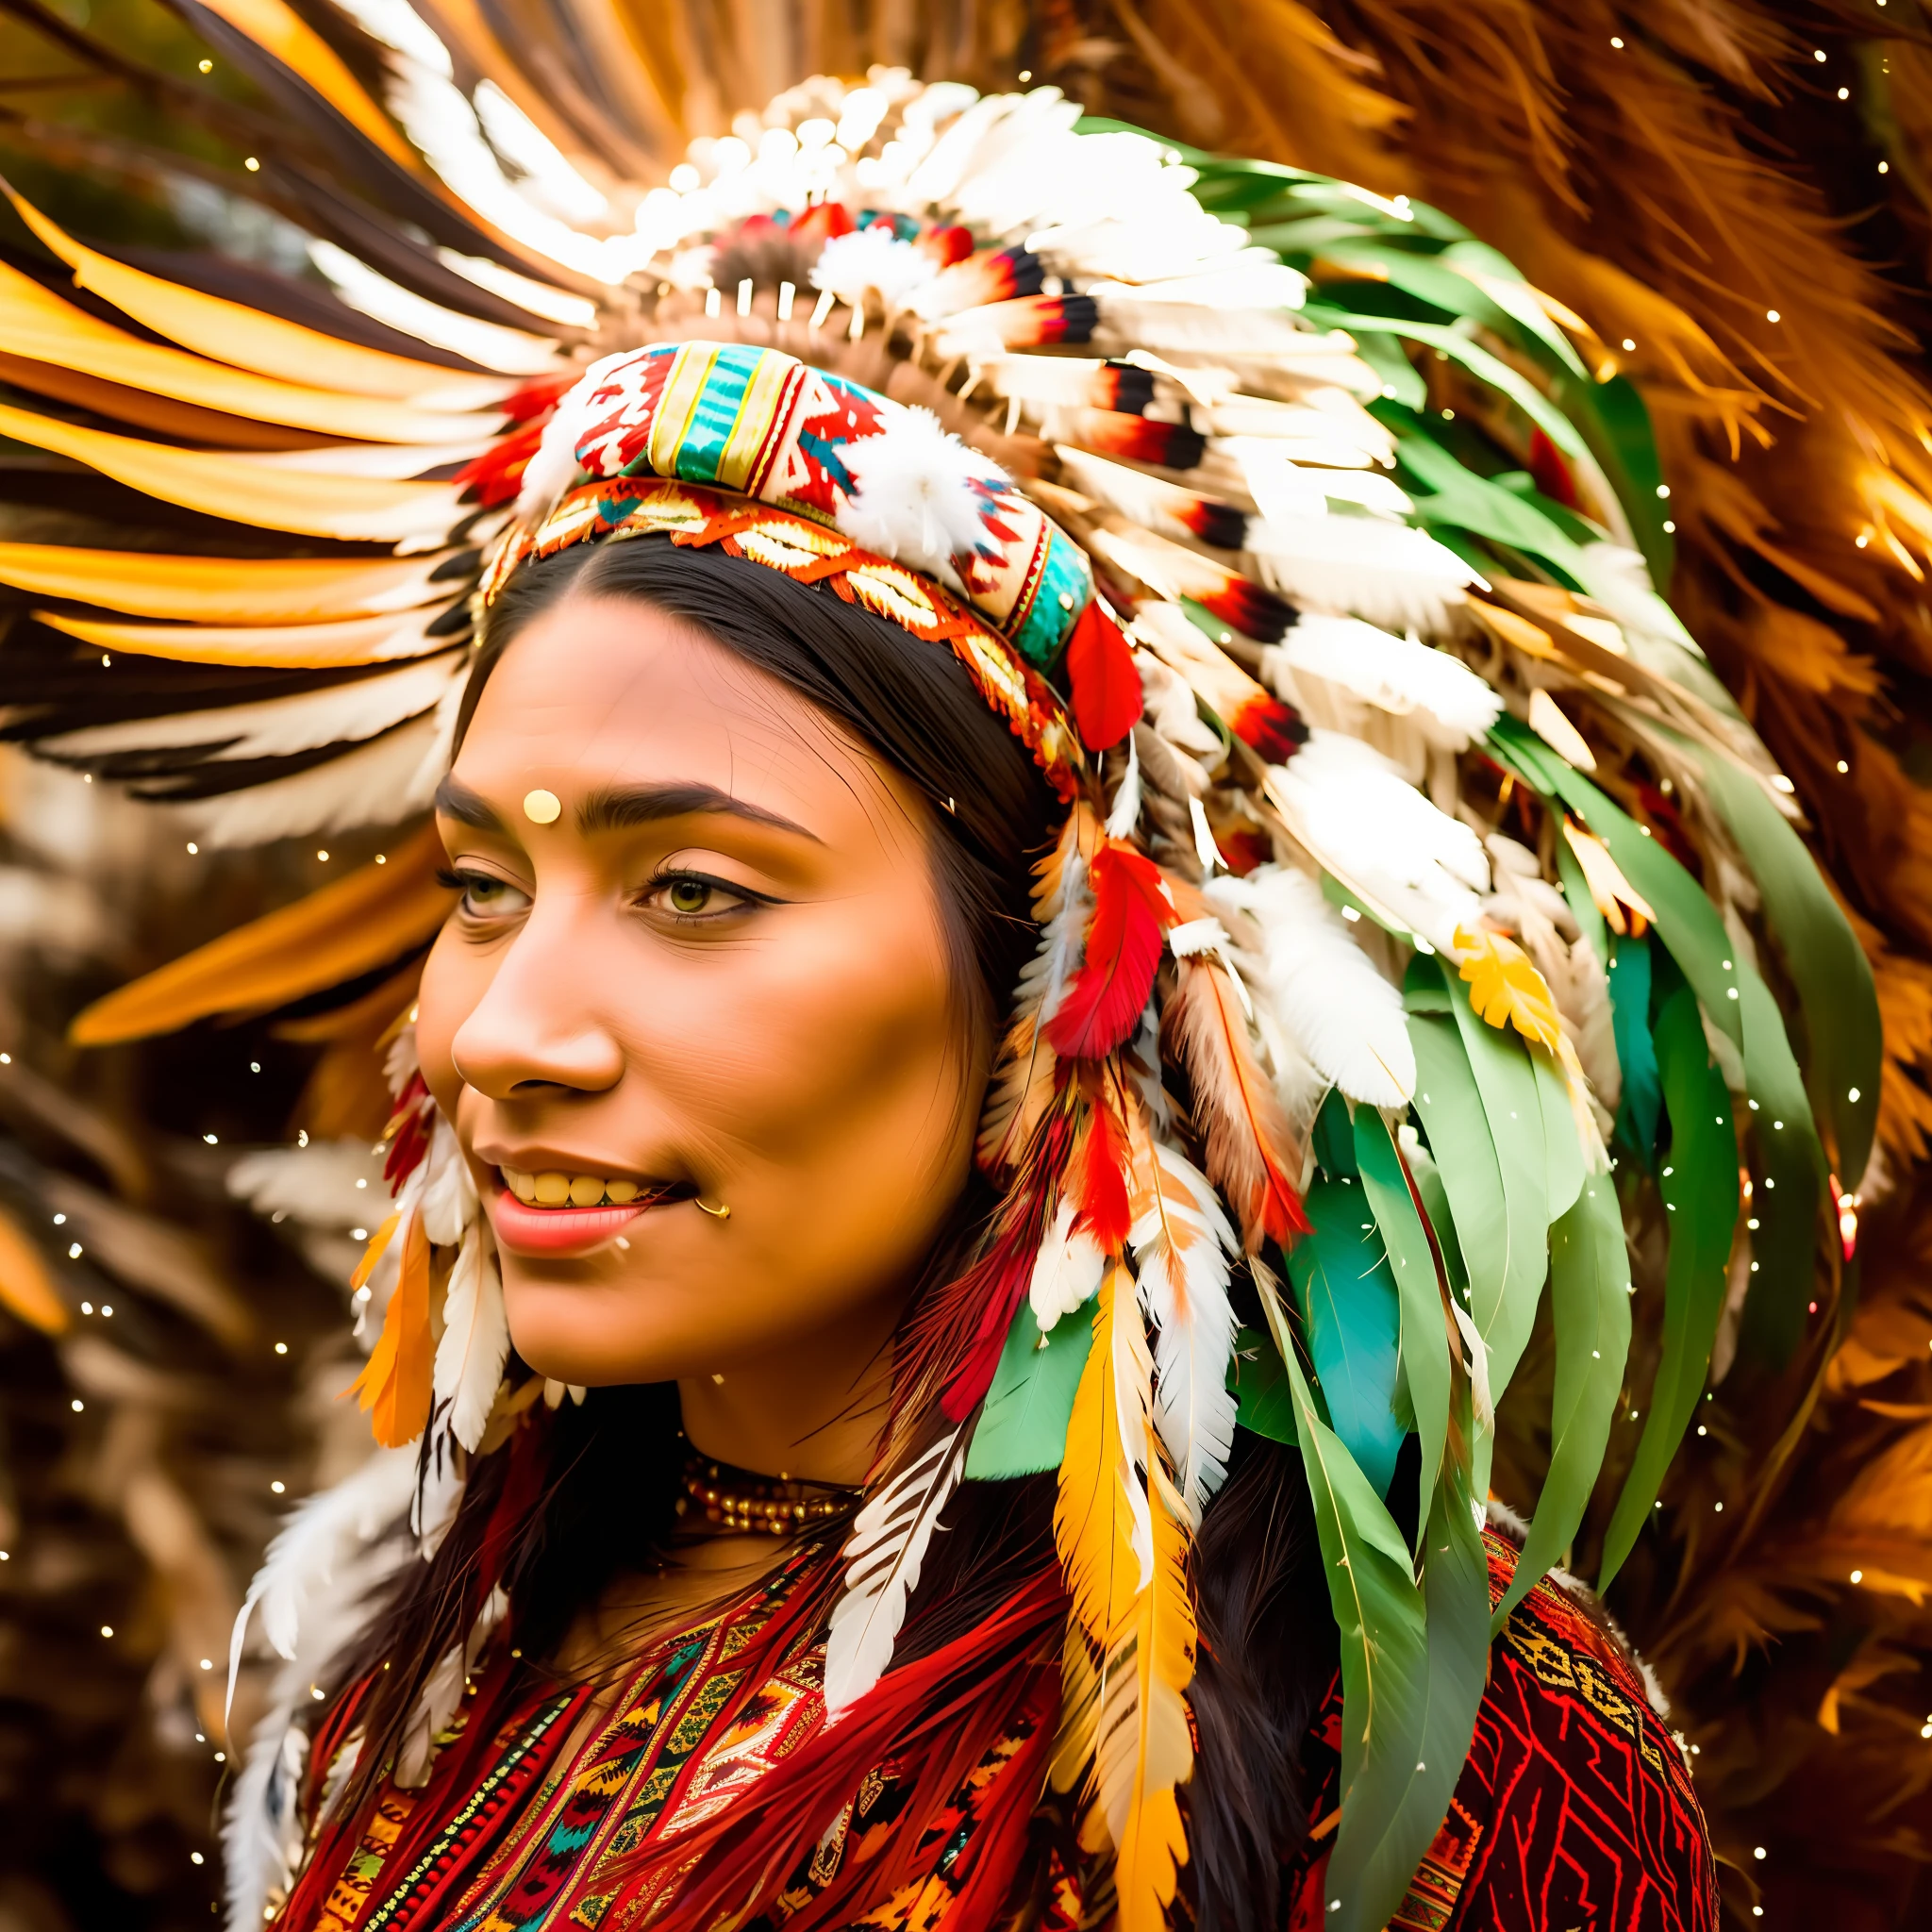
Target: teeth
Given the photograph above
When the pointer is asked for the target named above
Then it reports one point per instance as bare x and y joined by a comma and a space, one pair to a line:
554, 1189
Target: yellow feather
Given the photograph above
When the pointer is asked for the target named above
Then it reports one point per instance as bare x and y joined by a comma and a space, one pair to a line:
1118, 1526
283, 646
1506, 990
223, 485
36, 323
222, 589
233, 332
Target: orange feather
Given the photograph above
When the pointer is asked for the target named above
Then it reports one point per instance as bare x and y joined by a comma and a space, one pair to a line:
395, 1381
1249, 1146
346, 929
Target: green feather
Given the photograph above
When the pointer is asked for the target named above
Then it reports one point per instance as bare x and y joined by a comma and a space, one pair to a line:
1350, 1310
1589, 1318
1424, 1336
1700, 1190
1826, 963
1642, 1101
1380, 1619
1022, 1429
1264, 1402
1505, 1304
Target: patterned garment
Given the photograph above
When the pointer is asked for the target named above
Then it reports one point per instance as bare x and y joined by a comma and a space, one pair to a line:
1575, 1807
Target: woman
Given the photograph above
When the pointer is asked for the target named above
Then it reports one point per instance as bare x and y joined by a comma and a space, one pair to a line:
1013, 1056
797, 1199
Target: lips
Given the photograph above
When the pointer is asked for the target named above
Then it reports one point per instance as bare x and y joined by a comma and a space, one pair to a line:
528, 1227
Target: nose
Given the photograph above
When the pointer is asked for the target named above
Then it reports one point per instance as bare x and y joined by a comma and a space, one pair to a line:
537, 1028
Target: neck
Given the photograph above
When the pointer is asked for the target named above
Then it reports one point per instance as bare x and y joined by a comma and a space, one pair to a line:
813, 1410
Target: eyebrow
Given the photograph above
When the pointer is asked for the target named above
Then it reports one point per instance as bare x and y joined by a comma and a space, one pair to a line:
455, 800
617, 808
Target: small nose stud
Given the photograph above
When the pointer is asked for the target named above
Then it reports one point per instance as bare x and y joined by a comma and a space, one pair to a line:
720, 1212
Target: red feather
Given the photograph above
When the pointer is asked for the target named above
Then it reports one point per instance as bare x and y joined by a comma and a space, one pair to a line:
1274, 729
497, 474
1100, 1170
1131, 914
407, 1133
1106, 685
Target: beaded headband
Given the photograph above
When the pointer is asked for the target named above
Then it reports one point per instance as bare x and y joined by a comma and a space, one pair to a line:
830, 483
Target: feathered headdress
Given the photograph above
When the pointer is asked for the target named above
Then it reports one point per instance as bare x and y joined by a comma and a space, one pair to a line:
1416, 913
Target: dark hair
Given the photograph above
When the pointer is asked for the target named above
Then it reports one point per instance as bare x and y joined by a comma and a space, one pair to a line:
1268, 1644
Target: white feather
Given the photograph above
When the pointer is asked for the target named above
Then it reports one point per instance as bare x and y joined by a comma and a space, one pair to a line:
313, 1590
1388, 573
475, 1338
1152, 503
449, 1191
1381, 837
379, 783
507, 351
1172, 709
1184, 1290
1397, 674
436, 1702
1477, 1364
1325, 994
1066, 1272
320, 1537
1342, 1019
1126, 813
914, 499
883, 1557
278, 726
1063, 940
315, 1185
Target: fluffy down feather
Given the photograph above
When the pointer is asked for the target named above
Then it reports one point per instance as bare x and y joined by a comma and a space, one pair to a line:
1325, 994
550, 471
915, 500
873, 259
1381, 838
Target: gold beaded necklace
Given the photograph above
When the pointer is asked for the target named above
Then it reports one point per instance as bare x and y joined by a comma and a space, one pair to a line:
739, 1499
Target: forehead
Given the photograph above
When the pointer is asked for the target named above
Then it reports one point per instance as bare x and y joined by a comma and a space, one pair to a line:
599, 692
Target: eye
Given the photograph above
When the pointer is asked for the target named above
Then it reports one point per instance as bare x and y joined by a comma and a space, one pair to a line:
692, 897
485, 895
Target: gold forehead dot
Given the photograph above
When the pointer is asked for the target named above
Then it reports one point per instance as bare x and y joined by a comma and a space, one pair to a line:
541, 808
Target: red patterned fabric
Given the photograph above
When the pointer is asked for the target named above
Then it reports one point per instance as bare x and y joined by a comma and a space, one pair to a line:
1575, 1808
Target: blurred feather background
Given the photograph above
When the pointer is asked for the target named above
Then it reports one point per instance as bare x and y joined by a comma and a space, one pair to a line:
1734, 200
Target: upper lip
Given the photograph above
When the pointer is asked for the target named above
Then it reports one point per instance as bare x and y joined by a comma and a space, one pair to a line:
549, 1160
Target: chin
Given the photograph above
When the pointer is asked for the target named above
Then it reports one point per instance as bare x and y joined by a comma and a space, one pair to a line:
564, 1330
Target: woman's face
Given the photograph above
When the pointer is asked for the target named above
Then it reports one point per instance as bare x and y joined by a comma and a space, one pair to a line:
698, 962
